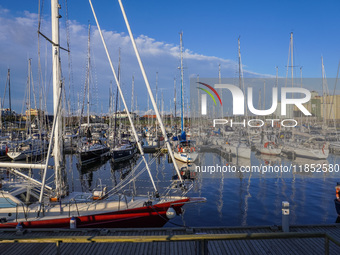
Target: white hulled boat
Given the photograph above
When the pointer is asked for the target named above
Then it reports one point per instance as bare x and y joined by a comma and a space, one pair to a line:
186, 151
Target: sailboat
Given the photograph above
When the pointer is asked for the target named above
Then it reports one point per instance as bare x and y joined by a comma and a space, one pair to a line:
185, 150
5, 137
22, 206
235, 143
34, 146
91, 149
122, 149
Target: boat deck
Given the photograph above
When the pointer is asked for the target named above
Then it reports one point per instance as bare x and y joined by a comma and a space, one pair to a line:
310, 239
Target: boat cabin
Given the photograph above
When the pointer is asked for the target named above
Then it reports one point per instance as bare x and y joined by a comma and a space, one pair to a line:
186, 146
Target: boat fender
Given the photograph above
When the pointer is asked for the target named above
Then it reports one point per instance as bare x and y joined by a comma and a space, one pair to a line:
337, 192
54, 199
19, 226
73, 223
171, 213
267, 143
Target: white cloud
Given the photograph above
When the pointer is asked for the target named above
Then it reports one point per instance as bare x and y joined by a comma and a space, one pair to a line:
3, 11
19, 41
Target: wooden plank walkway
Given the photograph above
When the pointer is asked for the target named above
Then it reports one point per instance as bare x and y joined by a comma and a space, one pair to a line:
140, 241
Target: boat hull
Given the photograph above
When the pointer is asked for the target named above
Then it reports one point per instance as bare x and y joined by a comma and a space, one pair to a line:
186, 157
270, 152
91, 155
337, 206
147, 216
3, 154
311, 154
16, 155
121, 155
27, 154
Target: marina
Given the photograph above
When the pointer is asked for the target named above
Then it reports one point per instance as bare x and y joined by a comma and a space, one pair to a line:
228, 161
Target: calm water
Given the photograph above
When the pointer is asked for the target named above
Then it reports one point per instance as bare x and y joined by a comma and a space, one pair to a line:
236, 199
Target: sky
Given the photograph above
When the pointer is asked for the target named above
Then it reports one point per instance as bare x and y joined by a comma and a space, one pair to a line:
210, 33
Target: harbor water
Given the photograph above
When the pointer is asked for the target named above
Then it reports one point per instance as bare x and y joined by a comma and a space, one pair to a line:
233, 199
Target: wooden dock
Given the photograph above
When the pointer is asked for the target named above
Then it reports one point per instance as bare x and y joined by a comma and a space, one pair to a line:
310, 239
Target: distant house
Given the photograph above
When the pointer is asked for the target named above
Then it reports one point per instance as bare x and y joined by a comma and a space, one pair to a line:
7, 112
35, 112
123, 115
149, 116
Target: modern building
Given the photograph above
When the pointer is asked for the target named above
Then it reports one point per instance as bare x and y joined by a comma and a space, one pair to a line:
325, 107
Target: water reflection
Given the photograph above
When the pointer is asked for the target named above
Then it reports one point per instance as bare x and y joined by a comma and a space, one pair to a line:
233, 199
86, 173
187, 170
308, 167
91, 167
269, 159
120, 170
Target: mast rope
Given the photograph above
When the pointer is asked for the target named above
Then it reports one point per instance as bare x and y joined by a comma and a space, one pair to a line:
127, 180
70, 66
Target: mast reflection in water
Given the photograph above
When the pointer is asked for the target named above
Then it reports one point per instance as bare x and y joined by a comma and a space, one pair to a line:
238, 199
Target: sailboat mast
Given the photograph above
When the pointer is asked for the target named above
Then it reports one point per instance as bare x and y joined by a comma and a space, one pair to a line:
240, 73
323, 93
29, 98
162, 113
221, 90
264, 95
156, 103
132, 95
175, 106
291, 57
88, 77
56, 89
115, 111
182, 82
166, 140
124, 102
119, 84
239, 64
277, 76
157, 88
9, 92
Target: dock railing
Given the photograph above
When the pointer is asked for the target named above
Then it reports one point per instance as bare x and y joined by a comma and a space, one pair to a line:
200, 239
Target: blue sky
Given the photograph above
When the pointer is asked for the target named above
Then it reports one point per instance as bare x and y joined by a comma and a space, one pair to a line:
210, 37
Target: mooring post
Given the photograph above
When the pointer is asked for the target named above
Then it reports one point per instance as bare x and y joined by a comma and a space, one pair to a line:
285, 216
58, 247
